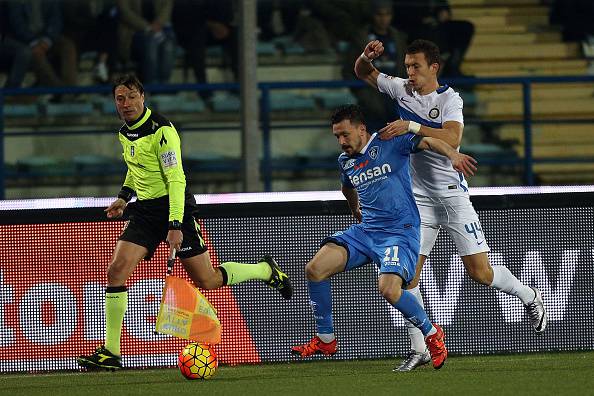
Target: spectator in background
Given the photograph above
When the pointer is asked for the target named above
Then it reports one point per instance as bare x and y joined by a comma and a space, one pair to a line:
575, 18
378, 108
38, 24
277, 18
92, 26
145, 35
342, 18
15, 57
201, 23
322, 24
432, 20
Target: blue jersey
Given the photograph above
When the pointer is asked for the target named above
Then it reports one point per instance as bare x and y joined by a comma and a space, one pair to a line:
380, 174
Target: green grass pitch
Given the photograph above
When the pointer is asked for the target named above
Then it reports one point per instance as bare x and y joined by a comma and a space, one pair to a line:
527, 374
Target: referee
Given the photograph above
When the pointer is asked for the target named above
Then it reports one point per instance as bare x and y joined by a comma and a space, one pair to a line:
164, 211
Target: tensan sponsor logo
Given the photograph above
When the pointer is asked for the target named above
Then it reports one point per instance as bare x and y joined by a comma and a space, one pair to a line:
370, 174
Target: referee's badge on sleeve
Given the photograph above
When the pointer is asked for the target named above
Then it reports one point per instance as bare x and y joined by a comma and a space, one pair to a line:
168, 159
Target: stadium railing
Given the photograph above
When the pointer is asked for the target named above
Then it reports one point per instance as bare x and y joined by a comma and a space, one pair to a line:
268, 165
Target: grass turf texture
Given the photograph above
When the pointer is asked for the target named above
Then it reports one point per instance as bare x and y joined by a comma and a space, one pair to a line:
543, 374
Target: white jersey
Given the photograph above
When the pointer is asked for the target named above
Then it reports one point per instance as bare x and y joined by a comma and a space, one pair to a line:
432, 173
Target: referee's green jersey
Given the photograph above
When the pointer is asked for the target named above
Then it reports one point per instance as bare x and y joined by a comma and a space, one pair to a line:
152, 153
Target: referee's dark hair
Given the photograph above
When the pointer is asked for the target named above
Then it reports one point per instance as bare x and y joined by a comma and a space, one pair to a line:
128, 80
351, 112
428, 48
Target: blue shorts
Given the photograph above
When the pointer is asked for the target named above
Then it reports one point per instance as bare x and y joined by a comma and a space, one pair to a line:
393, 253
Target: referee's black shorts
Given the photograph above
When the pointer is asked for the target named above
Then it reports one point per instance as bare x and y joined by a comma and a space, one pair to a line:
148, 226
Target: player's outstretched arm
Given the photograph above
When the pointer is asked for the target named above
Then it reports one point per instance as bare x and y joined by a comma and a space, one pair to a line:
460, 162
363, 68
451, 132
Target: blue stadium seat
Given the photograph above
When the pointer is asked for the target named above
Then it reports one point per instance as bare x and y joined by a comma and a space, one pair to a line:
487, 152
173, 103
342, 46
288, 45
225, 102
39, 166
92, 164
333, 99
293, 48
210, 162
318, 159
265, 48
21, 110
468, 97
284, 101
214, 51
88, 55
105, 104
68, 109
10, 171
282, 41
38, 161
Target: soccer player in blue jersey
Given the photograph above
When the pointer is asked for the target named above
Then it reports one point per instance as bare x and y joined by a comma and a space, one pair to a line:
430, 110
376, 183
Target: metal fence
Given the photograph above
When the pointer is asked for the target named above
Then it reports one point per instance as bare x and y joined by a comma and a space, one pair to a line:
267, 127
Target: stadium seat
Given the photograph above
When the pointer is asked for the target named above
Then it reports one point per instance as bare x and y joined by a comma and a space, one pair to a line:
214, 51
225, 102
68, 109
288, 45
483, 150
286, 101
469, 97
333, 99
91, 164
175, 103
265, 48
293, 48
39, 166
342, 46
207, 162
21, 110
105, 104
318, 159
10, 171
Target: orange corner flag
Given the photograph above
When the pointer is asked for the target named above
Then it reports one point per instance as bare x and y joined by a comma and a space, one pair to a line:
187, 314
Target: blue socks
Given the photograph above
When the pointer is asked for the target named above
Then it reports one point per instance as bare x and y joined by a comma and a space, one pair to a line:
320, 295
320, 298
414, 312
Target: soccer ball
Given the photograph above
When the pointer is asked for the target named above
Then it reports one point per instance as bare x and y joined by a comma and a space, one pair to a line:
197, 361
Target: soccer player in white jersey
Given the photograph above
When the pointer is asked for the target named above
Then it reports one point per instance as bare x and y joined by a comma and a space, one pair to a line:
441, 193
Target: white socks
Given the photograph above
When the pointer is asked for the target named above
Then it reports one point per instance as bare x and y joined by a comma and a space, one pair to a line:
417, 340
326, 338
505, 281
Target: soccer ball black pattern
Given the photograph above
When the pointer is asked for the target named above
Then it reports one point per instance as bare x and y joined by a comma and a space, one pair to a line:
197, 361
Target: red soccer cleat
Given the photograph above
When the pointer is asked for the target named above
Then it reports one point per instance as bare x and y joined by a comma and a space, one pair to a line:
436, 345
315, 346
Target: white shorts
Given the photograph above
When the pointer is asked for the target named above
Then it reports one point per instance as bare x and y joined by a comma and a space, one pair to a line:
458, 217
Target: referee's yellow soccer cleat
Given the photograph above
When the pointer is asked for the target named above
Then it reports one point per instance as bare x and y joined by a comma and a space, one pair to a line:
102, 358
278, 280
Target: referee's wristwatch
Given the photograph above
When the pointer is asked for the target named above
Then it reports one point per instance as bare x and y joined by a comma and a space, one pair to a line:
175, 225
